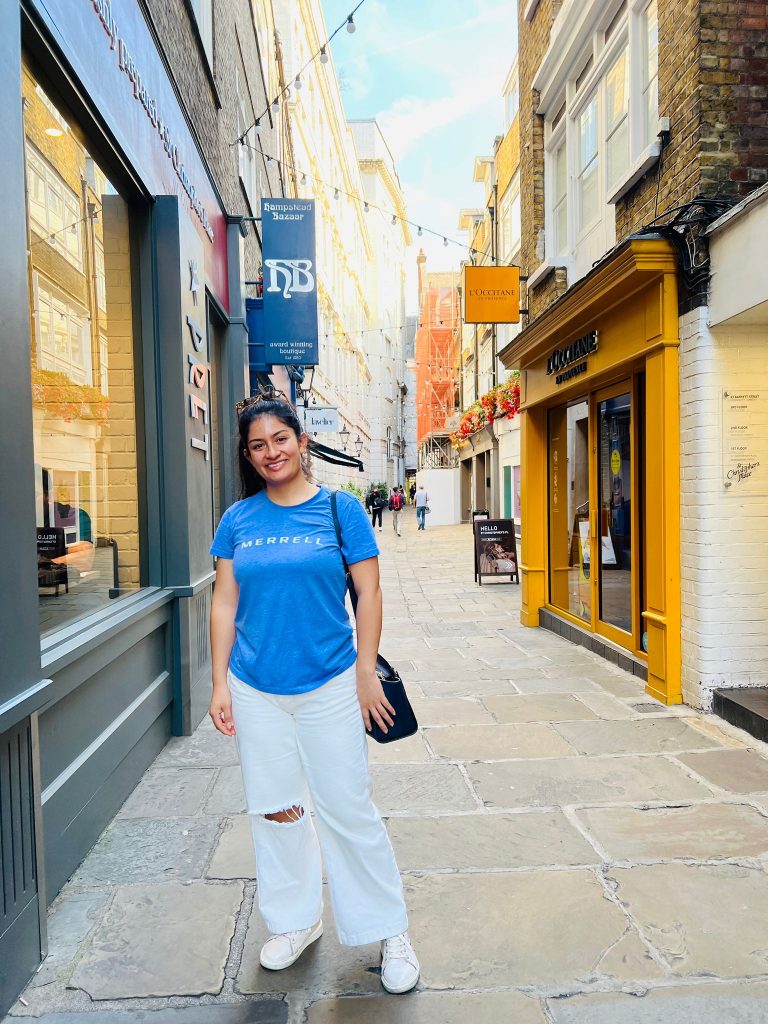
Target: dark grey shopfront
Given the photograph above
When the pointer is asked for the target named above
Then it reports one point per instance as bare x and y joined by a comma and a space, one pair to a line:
115, 436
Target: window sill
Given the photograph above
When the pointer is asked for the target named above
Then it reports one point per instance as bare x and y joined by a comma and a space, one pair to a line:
543, 270
644, 162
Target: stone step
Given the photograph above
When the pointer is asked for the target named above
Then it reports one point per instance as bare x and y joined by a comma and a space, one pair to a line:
746, 708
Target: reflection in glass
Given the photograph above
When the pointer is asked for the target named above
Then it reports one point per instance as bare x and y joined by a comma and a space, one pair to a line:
615, 490
569, 568
83, 397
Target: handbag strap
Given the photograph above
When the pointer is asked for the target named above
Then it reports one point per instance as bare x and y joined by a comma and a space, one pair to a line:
347, 573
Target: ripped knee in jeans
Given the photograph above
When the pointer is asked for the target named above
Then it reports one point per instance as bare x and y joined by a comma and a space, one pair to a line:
286, 817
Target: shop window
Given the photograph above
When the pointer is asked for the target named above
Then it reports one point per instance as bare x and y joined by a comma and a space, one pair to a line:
83, 387
569, 522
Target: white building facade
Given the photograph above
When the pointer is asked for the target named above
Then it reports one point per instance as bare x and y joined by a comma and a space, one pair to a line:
360, 255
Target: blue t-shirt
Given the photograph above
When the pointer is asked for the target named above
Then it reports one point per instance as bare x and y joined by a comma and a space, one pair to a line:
292, 629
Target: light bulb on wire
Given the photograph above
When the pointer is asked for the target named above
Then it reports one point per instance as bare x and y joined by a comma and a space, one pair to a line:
351, 26
275, 104
335, 193
297, 81
323, 55
419, 232
257, 127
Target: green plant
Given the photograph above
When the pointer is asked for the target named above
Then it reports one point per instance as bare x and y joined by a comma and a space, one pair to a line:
353, 488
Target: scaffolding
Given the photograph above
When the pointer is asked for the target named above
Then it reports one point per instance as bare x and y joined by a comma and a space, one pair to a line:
438, 335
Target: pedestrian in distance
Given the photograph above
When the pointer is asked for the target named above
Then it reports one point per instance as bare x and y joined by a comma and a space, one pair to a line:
376, 503
396, 502
288, 683
421, 500
412, 492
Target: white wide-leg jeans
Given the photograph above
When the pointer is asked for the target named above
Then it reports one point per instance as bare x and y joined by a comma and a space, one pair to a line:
314, 744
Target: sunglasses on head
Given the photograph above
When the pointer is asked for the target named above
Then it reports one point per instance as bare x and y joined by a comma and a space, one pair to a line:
262, 395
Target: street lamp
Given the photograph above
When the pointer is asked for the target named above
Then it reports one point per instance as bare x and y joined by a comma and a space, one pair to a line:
344, 435
359, 446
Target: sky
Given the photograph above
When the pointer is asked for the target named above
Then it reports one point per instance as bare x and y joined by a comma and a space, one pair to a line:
432, 73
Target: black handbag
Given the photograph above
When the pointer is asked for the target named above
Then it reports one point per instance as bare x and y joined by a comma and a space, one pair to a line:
394, 689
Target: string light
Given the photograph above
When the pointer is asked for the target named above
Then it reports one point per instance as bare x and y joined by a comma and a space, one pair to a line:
257, 128
337, 192
297, 81
322, 53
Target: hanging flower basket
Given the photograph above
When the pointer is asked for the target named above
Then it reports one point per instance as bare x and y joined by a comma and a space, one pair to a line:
501, 402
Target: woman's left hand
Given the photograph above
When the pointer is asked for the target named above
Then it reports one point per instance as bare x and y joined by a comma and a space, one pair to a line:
373, 703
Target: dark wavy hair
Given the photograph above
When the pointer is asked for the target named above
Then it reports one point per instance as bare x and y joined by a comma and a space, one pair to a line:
250, 481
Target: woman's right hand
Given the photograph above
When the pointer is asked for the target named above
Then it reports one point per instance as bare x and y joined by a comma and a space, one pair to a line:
221, 710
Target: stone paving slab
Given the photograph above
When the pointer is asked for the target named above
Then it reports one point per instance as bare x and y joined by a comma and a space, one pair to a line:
161, 940
262, 1011
227, 795
412, 749
465, 685
580, 780
498, 742
545, 707
702, 918
326, 966
657, 736
429, 1008
234, 856
552, 684
422, 789
486, 841
167, 792
205, 748
451, 711
148, 850
738, 771
694, 1004
529, 928
703, 832
605, 705
70, 920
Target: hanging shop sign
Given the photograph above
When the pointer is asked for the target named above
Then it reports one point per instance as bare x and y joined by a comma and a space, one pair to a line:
320, 419
290, 281
571, 361
491, 295
495, 548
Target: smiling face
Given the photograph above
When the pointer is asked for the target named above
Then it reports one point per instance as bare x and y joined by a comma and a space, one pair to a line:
274, 450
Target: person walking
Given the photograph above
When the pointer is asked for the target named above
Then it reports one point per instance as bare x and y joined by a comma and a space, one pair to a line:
396, 502
413, 491
376, 503
421, 501
289, 685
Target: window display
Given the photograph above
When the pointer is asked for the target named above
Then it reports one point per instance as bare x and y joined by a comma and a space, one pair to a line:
83, 387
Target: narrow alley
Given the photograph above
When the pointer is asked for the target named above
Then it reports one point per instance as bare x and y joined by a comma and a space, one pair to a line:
568, 847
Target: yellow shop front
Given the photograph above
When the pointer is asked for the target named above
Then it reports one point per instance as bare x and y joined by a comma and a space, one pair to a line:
600, 458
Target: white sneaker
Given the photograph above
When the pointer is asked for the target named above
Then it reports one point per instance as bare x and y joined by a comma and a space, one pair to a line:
280, 951
399, 966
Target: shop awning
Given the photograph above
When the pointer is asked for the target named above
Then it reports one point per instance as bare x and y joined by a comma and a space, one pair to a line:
334, 456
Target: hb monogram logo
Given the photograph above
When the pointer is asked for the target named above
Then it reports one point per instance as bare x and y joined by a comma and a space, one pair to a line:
295, 275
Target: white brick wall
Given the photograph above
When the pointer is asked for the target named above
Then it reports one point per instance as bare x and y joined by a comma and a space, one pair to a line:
724, 538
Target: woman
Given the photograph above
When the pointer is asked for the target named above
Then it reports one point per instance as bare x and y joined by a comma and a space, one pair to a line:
288, 683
